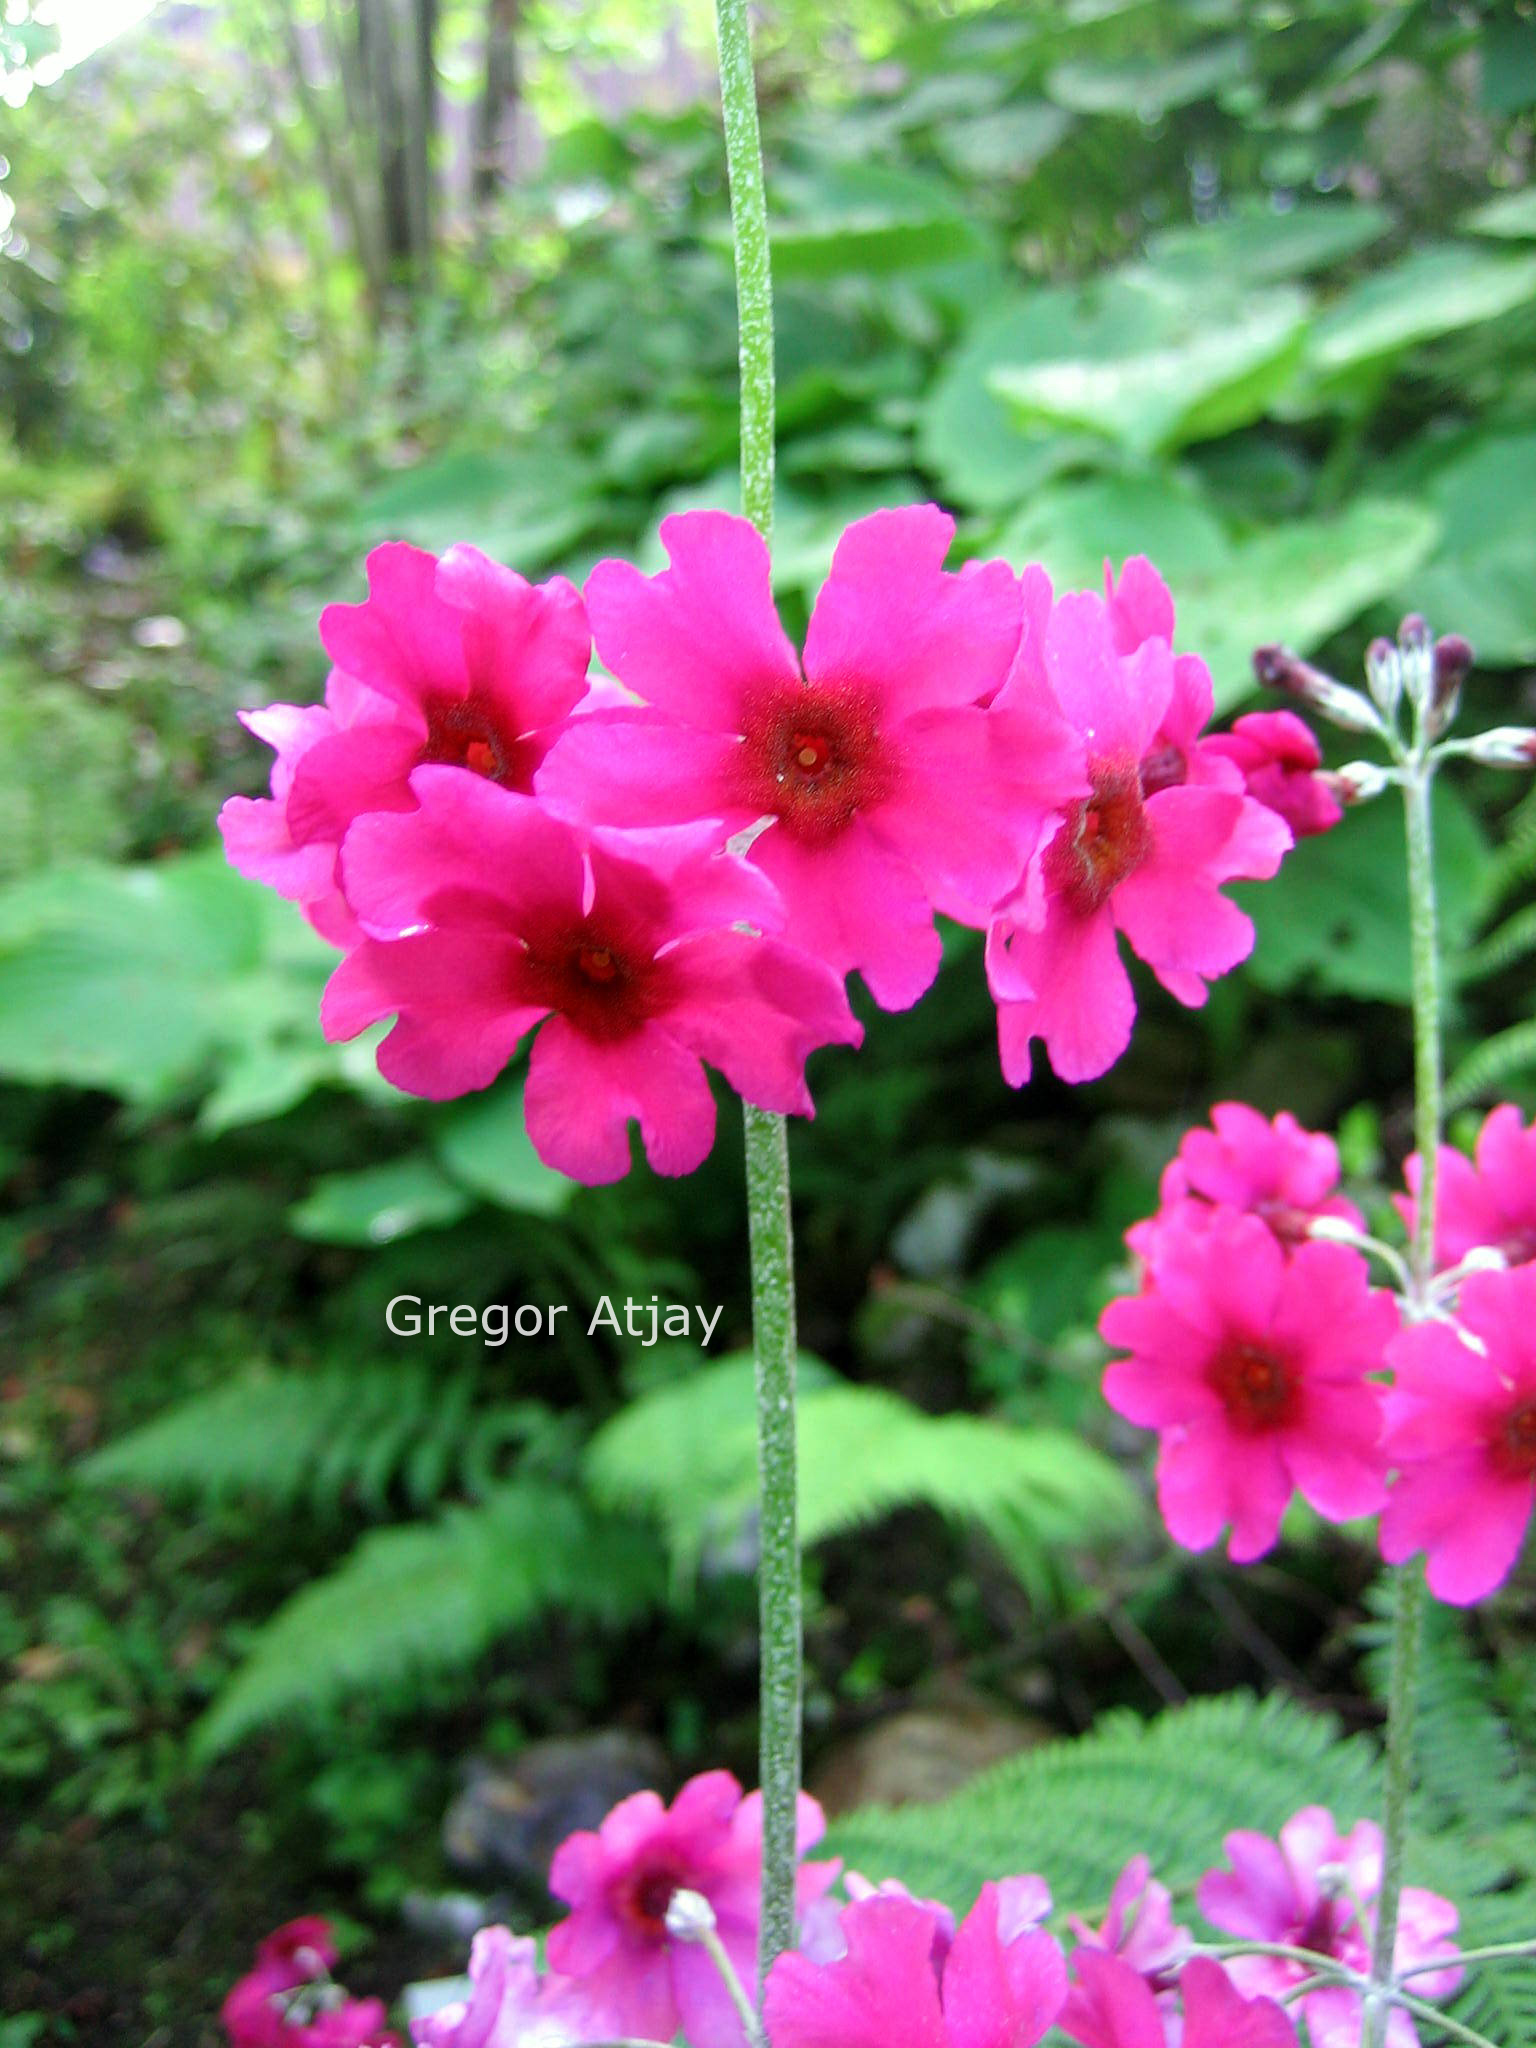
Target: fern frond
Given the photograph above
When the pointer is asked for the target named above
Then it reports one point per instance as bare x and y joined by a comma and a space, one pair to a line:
686, 1455
1512, 941
1515, 860
425, 1597
1495, 1061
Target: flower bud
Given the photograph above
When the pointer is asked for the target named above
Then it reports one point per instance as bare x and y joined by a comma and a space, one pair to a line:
690, 1916
1452, 664
1357, 782
1278, 669
1333, 1230
1384, 674
1504, 746
1484, 1258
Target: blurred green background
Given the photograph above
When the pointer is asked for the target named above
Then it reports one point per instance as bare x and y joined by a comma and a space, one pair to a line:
1249, 288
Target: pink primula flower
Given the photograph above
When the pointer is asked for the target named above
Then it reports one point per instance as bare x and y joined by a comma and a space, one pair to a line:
1140, 607
821, 1927
1111, 2006
457, 661
1276, 1171
1003, 1981
1117, 860
1252, 1367
488, 918
1279, 758
1308, 1891
1139, 1927
289, 1999
619, 1882
1491, 1201
1461, 1431
892, 792
510, 2004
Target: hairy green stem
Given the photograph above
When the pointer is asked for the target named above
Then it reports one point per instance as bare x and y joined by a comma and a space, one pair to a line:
773, 1263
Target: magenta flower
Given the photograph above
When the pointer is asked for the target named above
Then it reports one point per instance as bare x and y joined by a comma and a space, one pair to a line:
486, 917
1276, 1171
821, 1926
1003, 1981
619, 1882
510, 2005
1279, 758
891, 792
1140, 607
1461, 1431
1112, 2006
457, 661
1492, 1202
1252, 1368
1118, 860
1139, 1927
1309, 1890
289, 2000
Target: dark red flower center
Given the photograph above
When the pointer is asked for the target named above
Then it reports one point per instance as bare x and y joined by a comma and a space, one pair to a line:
1323, 1932
1105, 839
465, 732
1258, 1390
1163, 767
1519, 1247
606, 988
812, 756
641, 1899
1514, 1448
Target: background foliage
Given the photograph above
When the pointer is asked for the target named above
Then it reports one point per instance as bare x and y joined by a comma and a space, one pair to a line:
1252, 289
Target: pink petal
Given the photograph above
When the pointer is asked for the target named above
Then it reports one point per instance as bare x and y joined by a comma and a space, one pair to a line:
1116, 702
1334, 1457
855, 905
526, 645
692, 640
1140, 607
639, 767
581, 1095
1083, 1008
1256, 1899
665, 884
258, 843
881, 1994
364, 768
1216, 2015
757, 1009
997, 1994
1110, 2006
460, 1018
404, 641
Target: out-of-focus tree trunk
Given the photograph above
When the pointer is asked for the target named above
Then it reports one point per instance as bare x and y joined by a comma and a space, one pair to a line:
498, 94
423, 132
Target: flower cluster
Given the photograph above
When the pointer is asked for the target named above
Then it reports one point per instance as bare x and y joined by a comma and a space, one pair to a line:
680, 867
1269, 1365
290, 2000
880, 1968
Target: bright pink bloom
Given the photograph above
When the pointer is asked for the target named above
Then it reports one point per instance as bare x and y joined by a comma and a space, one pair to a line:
821, 1926
487, 916
457, 661
1112, 2006
1461, 1431
1118, 860
1492, 1202
510, 2005
1139, 1927
1277, 1171
1303, 1891
1003, 1981
1279, 758
1252, 1367
619, 1882
289, 1999
1140, 608
892, 792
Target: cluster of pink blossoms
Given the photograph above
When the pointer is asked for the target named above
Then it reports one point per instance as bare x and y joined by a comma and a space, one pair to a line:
290, 2000
879, 1968
682, 867
1269, 1364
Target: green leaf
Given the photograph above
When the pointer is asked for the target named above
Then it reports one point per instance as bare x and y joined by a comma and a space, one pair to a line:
1263, 244
1506, 1056
1479, 581
378, 1204
1144, 89
1006, 143
484, 1143
1513, 214
868, 218
525, 506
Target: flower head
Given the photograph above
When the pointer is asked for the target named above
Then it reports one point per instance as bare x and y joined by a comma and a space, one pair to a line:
1002, 1984
1112, 2006
1461, 1431
821, 1926
890, 791
1139, 1927
488, 919
1491, 1201
1274, 1170
289, 2000
1143, 857
1315, 1889
510, 2004
1279, 757
457, 662
619, 1881
1252, 1367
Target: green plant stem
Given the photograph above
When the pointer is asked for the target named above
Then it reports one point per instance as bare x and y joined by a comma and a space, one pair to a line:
772, 1241
1402, 1697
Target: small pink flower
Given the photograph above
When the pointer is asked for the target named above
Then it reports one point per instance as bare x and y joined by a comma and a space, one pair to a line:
892, 792
1117, 860
1003, 1981
488, 918
1308, 1890
1461, 1431
290, 2001
619, 1882
821, 1926
510, 2005
1279, 758
1139, 1927
1111, 2006
1492, 1202
457, 661
1276, 1171
1252, 1367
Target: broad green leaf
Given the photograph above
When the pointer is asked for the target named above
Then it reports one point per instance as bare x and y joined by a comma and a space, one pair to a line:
1264, 244
1512, 215
378, 1204
1005, 144
864, 217
524, 506
1143, 87
484, 1143
1480, 580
